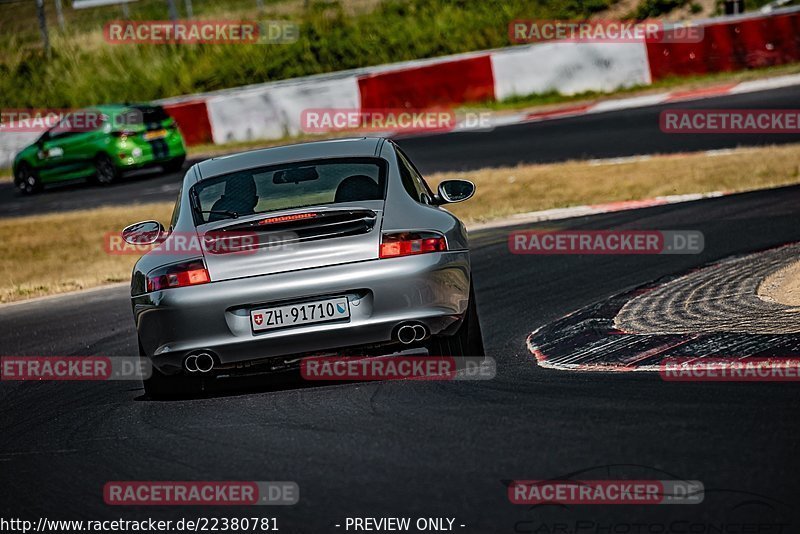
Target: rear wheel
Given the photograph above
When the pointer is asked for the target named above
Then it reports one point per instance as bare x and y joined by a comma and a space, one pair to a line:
26, 181
161, 386
174, 165
105, 172
468, 339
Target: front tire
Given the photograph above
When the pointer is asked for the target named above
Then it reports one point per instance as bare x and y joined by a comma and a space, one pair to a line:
468, 339
26, 180
105, 172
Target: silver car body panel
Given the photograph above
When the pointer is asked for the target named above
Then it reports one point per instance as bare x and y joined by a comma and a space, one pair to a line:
431, 288
275, 257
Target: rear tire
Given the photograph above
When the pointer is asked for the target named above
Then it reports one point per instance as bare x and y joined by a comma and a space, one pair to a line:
105, 172
161, 386
468, 339
26, 181
174, 165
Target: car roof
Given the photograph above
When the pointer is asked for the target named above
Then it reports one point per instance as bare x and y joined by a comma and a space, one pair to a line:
333, 148
117, 107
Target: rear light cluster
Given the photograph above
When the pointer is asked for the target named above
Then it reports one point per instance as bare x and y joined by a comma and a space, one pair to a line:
409, 243
188, 273
393, 245
287, 218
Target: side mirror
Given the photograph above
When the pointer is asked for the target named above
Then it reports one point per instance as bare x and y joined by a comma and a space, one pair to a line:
451, 191
144, 233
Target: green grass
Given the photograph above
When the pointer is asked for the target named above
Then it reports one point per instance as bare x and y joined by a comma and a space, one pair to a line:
657, 8
85, 70
334, 35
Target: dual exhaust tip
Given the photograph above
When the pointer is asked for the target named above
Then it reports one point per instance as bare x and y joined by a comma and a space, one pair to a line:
202, 362
410, 333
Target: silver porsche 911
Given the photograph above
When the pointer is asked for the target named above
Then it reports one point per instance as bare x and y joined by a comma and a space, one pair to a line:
335, 247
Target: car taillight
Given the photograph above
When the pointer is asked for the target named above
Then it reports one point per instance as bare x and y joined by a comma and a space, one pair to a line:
188, 273
409, 243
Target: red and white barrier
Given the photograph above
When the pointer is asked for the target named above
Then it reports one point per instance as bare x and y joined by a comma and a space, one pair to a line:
569, 68
731, 43
616, 104
192, 117
274, 110
448, 82
12, 142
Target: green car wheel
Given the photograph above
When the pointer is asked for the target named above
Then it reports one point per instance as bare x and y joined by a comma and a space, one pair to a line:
26, 181
105, 170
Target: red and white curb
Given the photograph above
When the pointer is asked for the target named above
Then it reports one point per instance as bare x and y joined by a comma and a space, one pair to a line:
544, 363
617, 104
542, 359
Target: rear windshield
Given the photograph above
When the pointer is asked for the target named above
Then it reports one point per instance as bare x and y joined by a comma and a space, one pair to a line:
151, 114
287, 186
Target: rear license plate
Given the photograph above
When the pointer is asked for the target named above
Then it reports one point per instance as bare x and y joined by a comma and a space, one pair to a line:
155, 134
318, 311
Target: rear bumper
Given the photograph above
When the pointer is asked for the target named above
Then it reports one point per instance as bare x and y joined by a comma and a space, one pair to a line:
137, 153
131, 165
430, 288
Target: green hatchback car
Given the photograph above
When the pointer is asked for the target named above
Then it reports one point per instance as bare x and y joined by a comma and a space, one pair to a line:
99, 144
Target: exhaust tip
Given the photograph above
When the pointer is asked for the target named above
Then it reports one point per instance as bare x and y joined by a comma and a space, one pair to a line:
205, 362
201, 362
411, 332
420, 332
406, 334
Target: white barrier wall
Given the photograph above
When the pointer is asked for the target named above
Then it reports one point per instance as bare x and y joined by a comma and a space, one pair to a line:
13, 142
274, 111
569, 68
243, 116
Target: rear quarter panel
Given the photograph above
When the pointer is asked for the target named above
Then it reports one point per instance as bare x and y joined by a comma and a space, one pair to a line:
401, 212
183, 226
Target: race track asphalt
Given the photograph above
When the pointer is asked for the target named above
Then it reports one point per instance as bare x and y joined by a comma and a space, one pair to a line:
440, 449
621, 133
